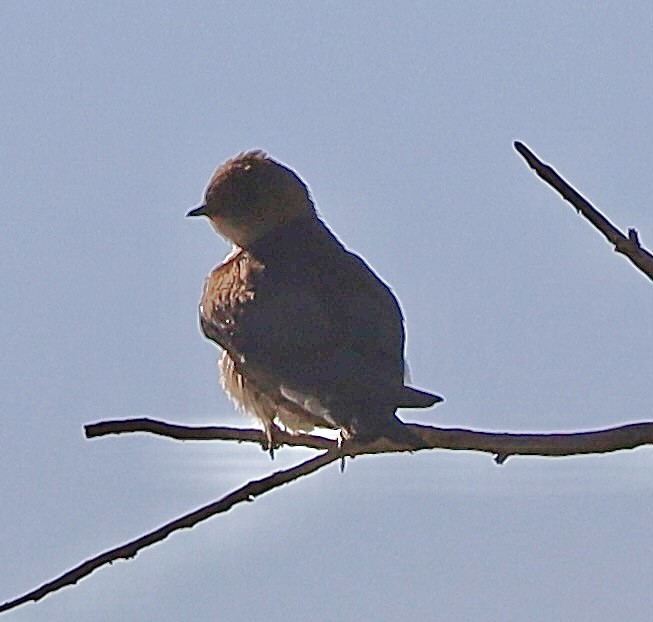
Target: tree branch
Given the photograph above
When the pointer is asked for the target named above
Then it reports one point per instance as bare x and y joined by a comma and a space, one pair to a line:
203, 433
130, 549
500, 444
626, 245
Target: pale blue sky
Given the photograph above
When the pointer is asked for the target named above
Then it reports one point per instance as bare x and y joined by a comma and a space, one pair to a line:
401, 119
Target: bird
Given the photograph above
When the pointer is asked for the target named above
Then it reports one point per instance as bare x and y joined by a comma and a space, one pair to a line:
311, 337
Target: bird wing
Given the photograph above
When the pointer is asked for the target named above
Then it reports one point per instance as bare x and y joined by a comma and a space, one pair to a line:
326, 327
313, 325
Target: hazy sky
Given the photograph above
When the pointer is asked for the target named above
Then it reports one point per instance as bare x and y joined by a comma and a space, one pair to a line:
401, 119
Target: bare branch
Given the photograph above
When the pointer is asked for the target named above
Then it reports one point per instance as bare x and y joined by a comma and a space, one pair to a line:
203, 433
125, 551
626, 245
500, 444
503, 445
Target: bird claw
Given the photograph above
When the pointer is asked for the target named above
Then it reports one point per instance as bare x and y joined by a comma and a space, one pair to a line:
342, 440
270, 444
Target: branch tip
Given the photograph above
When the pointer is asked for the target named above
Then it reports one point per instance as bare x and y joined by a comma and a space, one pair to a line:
633, 236
626, 245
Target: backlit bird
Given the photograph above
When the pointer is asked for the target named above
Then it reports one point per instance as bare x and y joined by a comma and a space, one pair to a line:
311, 337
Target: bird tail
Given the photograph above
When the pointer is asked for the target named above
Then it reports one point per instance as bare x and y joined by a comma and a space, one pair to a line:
411, 397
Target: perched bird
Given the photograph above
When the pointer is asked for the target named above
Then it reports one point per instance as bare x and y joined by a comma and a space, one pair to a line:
311, 337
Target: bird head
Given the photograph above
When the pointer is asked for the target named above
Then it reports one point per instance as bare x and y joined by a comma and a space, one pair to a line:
251, 195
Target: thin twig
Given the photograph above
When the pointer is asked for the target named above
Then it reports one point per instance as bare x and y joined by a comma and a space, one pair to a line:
130, 549
203, 433
626, 245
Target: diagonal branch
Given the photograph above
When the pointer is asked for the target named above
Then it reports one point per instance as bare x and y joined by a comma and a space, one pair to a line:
500, 444
626, 245
130, 549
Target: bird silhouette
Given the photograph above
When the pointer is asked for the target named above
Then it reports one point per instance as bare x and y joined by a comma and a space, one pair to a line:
311, 337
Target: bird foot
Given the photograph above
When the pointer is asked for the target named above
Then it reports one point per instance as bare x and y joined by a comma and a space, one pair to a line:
271, 444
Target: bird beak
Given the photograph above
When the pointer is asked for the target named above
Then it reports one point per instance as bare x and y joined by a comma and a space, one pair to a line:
197, 211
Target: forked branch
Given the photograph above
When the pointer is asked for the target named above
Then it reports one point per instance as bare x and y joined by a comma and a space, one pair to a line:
502, 445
